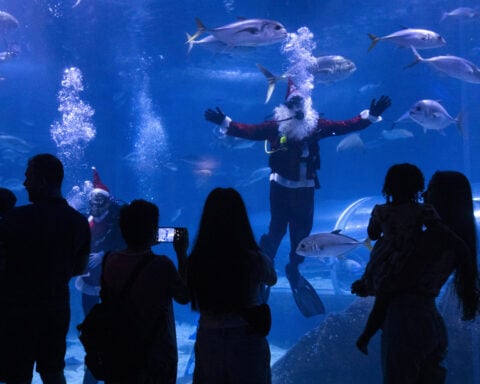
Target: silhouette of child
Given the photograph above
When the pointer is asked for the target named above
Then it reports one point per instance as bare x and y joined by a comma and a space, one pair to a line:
396, 226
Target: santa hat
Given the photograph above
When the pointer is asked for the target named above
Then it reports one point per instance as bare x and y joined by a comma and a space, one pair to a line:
98, 186
292, 90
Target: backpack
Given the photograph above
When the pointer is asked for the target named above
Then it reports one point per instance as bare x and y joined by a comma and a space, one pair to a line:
114, 343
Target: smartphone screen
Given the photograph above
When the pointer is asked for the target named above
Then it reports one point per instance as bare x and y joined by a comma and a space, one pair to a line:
166, 235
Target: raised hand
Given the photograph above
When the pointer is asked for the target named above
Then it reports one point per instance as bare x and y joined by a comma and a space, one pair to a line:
216, 117
378, 107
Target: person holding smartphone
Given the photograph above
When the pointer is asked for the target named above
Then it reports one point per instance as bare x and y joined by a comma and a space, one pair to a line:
150, 297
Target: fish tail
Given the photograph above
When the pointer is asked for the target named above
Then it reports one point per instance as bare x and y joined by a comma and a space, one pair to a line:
200, 29
272, 80
374, 39
189, 42
418, 58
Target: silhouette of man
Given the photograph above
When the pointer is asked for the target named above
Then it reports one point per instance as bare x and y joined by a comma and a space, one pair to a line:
45, 243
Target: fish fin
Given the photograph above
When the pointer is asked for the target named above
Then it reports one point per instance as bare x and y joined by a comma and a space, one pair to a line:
200, 26
418, 58
200, 29
272, 80
336, 231
241, 18
444, 16
189, 42
374, 39
404, 117
305, 296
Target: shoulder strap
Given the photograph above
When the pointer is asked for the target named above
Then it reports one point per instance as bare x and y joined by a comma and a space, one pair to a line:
133, 276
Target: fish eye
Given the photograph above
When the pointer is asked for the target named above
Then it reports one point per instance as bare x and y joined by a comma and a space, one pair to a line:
277, 27
418, 108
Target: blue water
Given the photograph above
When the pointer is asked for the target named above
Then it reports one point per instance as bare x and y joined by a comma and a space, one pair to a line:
112, 80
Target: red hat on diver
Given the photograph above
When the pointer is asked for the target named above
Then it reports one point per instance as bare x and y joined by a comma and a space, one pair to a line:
98, 186
292, 90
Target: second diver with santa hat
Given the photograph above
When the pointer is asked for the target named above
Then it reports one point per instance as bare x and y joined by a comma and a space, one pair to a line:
106, 236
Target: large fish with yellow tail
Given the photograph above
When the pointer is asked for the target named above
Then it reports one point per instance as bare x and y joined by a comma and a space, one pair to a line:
329, 244
245, 32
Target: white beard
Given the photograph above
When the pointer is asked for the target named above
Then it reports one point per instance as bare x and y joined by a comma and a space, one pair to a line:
294, 128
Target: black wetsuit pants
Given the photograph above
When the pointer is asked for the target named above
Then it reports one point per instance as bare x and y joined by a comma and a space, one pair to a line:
292, 208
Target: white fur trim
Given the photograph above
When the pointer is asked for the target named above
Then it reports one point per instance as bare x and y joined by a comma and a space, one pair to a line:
99, 191
365, 115
225, 123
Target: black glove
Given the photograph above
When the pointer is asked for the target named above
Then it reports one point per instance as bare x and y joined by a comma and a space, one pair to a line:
216, 117
377, 108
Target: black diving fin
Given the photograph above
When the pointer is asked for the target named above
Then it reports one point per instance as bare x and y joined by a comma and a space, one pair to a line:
305, 296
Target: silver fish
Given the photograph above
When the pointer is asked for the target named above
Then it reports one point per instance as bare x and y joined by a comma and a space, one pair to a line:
230, 142
419, 38
332, 244
326, 69
14, 143
7, 22
351, 142
214, 45
461, 13
431, 115
245, 32
12, 51
396, 134
257, 175
453, 66
368, 87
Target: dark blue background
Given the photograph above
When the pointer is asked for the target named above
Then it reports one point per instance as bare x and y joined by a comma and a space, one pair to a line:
139, 79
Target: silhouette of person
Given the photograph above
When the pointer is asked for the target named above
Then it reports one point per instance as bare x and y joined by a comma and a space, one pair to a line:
292, 137
106, 236
396, 226
151, 295
45, 244
414, 337
226, 276
7, 201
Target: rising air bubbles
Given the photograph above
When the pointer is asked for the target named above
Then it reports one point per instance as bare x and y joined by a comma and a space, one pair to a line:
75, 130
298, 48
